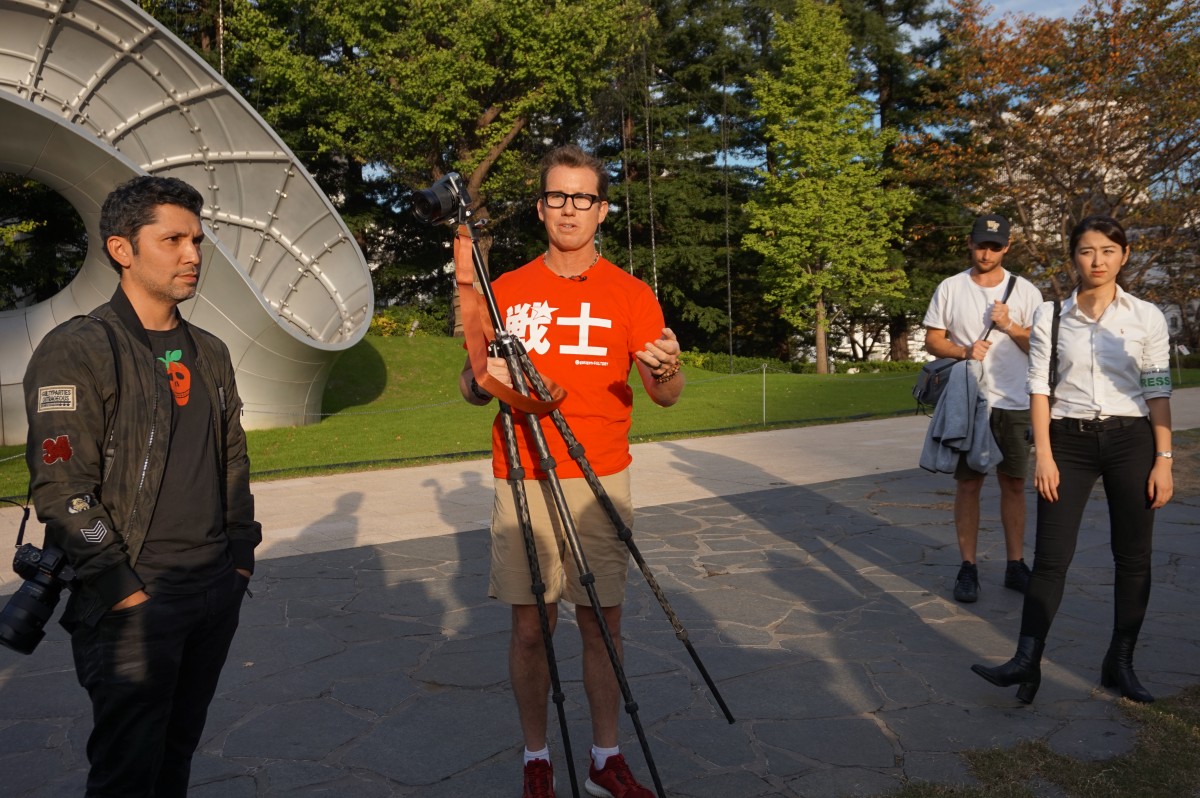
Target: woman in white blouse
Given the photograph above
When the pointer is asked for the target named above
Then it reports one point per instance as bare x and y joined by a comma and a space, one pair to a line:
1107, 416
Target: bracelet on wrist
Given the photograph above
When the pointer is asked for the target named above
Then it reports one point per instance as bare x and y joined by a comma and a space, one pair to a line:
667, 374
1165, 455
478, 392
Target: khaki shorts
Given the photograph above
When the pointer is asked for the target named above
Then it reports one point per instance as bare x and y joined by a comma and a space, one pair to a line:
1013, 434
606, 555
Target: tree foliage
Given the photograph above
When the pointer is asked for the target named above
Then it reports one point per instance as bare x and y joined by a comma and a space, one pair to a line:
674, 125
1043, 120
824, 220
42, 242
1051, 120
385, 97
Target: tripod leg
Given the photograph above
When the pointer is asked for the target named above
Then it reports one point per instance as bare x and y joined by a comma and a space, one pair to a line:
537, 586
512, 351
587, 580
626, 535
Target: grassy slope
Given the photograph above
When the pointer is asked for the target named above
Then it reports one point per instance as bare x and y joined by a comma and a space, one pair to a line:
394, 401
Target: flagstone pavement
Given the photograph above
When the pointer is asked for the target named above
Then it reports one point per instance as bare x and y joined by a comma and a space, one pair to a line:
811, 570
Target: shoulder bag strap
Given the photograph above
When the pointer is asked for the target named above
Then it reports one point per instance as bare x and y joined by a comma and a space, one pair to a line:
1012, 280
1053, 376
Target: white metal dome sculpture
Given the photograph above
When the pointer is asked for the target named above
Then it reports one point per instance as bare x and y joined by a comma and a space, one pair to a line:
94, 92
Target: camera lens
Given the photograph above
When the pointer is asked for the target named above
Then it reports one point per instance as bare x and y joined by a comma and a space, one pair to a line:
22, 619
432, 205
439, 202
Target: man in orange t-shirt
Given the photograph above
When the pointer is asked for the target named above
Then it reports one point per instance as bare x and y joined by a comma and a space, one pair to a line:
584, 323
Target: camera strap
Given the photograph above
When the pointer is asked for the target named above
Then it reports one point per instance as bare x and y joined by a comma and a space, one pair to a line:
479, 335
24, 515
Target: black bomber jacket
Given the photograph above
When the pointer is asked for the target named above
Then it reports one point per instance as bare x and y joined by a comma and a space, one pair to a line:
96, 455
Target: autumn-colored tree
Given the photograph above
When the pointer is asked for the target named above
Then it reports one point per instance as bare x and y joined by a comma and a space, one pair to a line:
1051, 120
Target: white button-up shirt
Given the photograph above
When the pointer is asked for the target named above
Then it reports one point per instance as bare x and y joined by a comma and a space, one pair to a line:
1106, 367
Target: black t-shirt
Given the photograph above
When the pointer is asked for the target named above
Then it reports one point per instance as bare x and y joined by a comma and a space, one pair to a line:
186, 548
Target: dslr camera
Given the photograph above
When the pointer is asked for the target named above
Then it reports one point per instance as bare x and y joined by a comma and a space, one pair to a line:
46, 572
444, 201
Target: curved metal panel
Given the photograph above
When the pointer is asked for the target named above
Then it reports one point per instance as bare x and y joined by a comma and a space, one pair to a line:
94, 92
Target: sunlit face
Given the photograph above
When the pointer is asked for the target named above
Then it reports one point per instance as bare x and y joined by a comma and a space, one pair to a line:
162, 262
986, 256
1098, 259
568, 228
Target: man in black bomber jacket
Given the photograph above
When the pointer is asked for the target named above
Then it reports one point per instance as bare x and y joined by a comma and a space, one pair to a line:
139, 471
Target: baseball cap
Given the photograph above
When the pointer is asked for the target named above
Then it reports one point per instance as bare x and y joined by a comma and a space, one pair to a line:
990, 229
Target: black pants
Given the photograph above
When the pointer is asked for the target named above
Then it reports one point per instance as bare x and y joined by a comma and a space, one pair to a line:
151, 671
1123, 458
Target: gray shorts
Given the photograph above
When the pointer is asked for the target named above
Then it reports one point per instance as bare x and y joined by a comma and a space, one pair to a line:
607, 556
1011, 429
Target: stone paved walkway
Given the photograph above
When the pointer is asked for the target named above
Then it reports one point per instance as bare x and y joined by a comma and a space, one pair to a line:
812, 569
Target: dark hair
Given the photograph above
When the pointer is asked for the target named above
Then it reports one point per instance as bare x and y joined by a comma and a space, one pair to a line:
134, 204
573, 156
1105, 225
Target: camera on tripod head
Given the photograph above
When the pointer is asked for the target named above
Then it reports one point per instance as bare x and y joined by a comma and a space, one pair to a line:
46, 572
444, 201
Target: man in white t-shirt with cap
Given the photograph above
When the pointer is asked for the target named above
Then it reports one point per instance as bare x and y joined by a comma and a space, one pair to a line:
957, 322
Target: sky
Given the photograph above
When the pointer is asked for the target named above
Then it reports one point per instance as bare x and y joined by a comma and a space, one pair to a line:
1042, 8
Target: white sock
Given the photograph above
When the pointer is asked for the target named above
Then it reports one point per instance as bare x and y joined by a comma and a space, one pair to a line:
532, 755
600, 755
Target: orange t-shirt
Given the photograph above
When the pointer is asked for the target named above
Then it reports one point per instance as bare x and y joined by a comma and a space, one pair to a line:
582, 334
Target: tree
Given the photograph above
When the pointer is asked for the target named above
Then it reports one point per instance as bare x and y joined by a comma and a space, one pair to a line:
885, 60
42, 242
1052, 120
824, 221
675, 125
415, 90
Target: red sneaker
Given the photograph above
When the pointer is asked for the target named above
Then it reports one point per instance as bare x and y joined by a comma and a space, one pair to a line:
539, 779
614, 781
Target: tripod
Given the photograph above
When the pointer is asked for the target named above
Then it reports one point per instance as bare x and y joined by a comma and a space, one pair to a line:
535, 398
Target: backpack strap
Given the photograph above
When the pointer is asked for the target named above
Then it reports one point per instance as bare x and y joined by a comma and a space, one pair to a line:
110, 452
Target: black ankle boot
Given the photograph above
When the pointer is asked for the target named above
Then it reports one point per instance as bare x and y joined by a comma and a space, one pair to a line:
1025, 669
1117, 670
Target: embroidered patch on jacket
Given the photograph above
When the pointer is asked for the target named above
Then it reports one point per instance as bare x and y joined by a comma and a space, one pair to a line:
95, 533
54, 398
80, 503
57, 449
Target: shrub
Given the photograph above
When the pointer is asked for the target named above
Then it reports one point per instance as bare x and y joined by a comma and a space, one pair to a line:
719, 362
407, 320
1191, 361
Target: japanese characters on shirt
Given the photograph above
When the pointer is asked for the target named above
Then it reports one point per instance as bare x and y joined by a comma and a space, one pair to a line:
531, 322
581, 334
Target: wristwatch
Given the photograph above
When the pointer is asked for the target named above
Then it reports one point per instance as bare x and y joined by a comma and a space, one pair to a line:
1167, 455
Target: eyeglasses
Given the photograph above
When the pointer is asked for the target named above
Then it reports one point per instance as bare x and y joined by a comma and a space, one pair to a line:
557, 199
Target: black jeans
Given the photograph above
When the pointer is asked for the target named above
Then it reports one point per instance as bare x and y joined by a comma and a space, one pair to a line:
1123, 458
151, 671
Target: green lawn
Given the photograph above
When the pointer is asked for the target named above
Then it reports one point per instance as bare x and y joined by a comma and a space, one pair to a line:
394, 401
